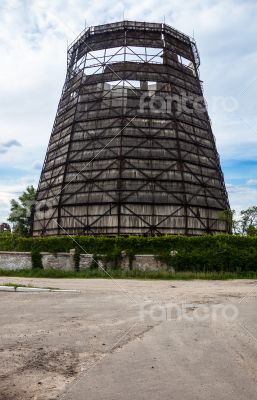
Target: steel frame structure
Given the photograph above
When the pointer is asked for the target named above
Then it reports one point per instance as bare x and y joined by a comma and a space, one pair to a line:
113, 167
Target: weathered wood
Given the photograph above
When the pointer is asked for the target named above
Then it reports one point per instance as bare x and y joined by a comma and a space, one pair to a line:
114, 166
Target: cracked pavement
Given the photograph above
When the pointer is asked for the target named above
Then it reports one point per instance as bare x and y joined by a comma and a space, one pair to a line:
112, 341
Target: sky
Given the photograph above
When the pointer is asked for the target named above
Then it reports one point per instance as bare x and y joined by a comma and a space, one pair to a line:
33, 43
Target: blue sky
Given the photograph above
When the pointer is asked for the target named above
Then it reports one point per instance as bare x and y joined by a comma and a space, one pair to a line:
33, 43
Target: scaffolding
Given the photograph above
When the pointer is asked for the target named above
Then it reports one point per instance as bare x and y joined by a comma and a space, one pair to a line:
132, 150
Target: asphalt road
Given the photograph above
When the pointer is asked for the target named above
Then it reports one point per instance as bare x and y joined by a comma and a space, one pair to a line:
129, 340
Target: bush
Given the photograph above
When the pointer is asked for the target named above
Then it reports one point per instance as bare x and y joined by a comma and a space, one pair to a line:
218, 253
77, 258
94, 263
36, 259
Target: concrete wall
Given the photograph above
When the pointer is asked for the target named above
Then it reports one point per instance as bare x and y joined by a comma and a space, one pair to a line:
65, 261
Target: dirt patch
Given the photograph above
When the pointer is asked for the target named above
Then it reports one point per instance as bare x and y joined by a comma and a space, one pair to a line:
37, 374
57, 362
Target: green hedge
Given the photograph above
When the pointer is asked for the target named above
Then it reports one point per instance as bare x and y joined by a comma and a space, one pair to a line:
231, 253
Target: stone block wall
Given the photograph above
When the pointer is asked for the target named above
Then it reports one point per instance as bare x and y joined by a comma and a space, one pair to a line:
147, 262
65, 261
85, 261
15, 260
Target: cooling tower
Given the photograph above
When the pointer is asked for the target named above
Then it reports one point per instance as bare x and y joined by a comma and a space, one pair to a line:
132, 150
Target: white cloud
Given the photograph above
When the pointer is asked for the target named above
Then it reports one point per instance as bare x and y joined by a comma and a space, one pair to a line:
33, 41
251, 182
241, 197
37, 165
4, 147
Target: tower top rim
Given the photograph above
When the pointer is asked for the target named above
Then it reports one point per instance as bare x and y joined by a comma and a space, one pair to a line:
131, 25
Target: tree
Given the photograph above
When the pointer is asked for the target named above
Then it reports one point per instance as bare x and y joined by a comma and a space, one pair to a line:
249, 221
20, 213
229, 217
251, 230
4, 227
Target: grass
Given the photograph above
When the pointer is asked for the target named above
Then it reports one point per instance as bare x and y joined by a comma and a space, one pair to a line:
119, 274
16, 285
